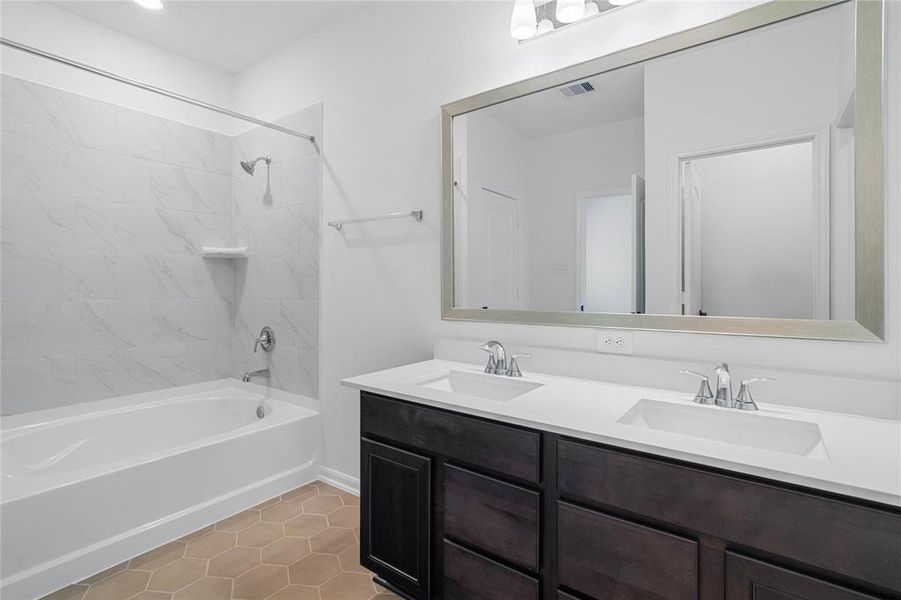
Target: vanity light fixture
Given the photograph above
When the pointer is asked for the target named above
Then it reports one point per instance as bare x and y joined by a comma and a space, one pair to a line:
150, 4
570, 11
552, 15
523, 21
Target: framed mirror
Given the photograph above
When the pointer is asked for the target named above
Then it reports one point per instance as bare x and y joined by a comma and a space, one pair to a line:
727, 179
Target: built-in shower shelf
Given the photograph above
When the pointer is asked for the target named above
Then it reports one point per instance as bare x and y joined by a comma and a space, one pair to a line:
224, 252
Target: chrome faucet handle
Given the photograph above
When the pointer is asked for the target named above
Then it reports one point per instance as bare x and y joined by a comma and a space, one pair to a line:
744, 401
513, 367
704, 395
491, 367
266, 340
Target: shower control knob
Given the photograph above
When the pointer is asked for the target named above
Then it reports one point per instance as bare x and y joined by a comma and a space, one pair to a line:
266, 340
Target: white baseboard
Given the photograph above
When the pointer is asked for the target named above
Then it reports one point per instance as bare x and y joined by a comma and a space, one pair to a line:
340, 480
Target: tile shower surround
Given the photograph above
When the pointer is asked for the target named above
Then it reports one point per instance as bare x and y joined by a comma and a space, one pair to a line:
303, 545
104, 212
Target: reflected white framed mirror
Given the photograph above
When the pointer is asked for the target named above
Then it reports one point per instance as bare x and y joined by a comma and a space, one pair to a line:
727, 179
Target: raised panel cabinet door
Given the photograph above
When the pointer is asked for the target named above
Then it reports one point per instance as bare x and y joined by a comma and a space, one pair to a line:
395, 505
750, 579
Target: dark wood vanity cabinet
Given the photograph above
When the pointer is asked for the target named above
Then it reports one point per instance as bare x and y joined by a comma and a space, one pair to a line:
457, 507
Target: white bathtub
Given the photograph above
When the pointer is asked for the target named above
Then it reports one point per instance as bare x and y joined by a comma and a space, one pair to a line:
87, 486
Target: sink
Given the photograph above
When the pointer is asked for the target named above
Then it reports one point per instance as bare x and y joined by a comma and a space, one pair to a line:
490, 387
798, 438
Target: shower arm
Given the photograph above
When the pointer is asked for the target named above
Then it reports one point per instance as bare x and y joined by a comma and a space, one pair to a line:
151, 88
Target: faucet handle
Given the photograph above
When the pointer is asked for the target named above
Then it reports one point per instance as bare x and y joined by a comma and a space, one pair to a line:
491, 367
704, 395
744, 401
513, 366
266, 340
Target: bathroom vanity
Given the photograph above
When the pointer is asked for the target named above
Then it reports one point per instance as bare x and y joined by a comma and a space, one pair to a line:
489, 487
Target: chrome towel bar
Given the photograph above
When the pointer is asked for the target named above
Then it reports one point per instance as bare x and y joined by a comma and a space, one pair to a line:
339, 224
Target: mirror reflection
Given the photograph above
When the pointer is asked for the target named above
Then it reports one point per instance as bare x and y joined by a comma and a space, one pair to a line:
717, 180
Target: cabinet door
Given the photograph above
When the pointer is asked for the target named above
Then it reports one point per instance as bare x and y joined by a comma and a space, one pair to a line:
749, 579
394, 516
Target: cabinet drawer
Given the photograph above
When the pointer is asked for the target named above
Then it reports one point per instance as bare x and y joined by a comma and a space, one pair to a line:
494, 516
469, 576
750, 579
606, 557
499, 448
847, 539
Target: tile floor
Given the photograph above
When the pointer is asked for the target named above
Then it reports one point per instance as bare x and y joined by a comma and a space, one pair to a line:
302, 545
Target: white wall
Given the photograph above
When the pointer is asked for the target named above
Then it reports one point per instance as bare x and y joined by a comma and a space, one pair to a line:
761, 84
58, 31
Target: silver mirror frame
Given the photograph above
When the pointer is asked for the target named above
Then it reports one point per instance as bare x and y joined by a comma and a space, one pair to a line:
869, 325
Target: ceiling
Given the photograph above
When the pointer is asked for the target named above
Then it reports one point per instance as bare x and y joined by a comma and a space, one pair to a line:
619, 96
228, 35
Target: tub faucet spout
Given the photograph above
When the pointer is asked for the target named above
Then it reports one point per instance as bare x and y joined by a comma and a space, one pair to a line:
249, 375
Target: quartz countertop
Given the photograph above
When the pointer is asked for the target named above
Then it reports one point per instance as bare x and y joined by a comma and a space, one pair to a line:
861, 457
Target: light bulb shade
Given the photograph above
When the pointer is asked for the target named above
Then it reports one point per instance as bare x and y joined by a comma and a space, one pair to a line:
544, 26
150, 4
591, 9
620, 2
570, 11
523, 20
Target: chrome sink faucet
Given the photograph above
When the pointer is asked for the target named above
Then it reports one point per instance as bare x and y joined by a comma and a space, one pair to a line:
723, 396
497, 360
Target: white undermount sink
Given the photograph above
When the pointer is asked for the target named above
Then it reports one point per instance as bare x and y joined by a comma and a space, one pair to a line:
798, 438
490, 387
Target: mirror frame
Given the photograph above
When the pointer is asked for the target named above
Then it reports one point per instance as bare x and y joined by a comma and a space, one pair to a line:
869, 184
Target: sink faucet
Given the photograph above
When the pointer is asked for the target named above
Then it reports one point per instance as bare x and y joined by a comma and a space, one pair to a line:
723, 386
723, 396
497, 359
249, 375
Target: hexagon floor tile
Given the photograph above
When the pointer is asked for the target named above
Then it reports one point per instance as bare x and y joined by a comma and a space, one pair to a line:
301, 545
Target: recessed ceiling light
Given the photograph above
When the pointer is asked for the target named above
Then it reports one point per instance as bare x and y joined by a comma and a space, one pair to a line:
150, 4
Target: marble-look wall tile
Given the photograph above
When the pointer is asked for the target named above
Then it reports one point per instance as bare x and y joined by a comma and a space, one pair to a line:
46, 112
157, 276
146, 136
29, 218
181, 188
113, 226
51, 274
104, 214
191, 320
37, 383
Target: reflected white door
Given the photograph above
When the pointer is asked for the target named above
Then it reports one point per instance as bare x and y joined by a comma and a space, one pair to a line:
754, 243
612, 250
497, 219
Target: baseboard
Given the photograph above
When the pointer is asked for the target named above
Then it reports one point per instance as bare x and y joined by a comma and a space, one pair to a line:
340, 480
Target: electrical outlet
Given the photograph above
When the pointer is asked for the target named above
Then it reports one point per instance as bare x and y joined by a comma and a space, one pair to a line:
614, 341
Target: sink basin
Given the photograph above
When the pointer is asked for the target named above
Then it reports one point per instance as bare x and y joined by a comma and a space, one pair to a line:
799, 438
490, 387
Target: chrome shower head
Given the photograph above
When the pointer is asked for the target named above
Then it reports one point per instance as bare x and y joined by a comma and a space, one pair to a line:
250, 165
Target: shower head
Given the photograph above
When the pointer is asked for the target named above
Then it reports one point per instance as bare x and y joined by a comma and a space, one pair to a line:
250, 165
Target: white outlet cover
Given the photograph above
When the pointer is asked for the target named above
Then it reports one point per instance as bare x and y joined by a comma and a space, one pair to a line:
614, 341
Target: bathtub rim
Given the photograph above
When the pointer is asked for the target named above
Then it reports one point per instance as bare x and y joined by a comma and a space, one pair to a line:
73, 413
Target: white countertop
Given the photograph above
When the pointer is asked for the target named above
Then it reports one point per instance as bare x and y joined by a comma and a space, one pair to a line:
862, 458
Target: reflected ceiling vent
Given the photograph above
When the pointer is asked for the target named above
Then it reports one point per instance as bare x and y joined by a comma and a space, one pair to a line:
577, 89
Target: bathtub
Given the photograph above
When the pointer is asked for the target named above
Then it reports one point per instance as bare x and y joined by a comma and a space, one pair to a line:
87, 486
